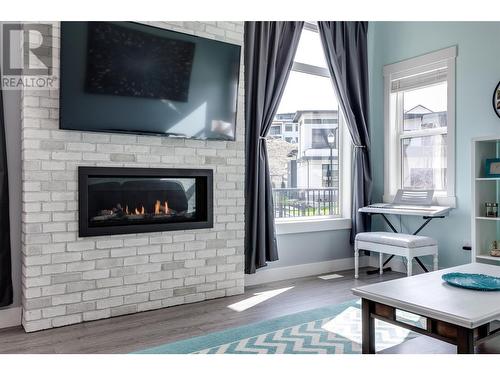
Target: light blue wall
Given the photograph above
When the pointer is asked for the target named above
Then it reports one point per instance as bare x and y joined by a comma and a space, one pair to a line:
312, 247
477, 73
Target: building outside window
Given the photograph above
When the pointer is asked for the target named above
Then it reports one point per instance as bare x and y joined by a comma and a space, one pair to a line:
308, 113
275, 130
320, 137
420, 102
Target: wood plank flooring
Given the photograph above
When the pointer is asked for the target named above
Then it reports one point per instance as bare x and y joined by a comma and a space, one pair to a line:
129, 333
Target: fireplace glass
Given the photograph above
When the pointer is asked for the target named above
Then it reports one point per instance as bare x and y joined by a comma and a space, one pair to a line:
143, 203
124, 201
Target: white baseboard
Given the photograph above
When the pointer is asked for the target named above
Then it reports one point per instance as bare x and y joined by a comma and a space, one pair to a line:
268, 275
10, 317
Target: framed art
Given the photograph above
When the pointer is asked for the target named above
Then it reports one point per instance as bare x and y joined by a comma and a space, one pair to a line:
496, 100
492, 167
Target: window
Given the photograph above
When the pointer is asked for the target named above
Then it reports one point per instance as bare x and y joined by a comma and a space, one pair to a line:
275, 130
320, 138
321, 121
420, 124
299, 164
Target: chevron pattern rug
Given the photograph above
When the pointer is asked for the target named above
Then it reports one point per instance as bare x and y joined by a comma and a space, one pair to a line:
330, 330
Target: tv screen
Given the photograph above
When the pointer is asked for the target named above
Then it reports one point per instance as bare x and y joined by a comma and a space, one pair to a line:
133, 78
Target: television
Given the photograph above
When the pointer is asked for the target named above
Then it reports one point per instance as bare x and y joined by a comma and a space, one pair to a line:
128, 77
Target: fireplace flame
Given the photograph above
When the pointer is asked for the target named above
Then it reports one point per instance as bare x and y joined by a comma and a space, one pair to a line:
140, 212
126, 209
161, 208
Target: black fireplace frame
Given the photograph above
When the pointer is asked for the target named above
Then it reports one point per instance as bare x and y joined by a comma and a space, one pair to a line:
83, 216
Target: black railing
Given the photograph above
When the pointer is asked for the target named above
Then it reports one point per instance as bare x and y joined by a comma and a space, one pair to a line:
295, 202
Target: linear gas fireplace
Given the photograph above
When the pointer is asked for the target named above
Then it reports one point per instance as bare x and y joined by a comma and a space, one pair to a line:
137, 200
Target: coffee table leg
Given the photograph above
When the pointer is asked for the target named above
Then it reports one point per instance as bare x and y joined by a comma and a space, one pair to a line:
465, 341
367, 327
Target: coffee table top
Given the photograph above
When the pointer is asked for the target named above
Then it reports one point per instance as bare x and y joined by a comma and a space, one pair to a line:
428, 295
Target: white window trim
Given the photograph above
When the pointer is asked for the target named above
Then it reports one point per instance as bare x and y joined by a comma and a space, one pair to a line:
334, 222
392, 168
316, 224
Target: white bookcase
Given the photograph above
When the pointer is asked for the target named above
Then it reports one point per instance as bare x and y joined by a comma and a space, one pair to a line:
484, 229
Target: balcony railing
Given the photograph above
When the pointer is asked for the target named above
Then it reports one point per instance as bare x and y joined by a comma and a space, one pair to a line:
295, 202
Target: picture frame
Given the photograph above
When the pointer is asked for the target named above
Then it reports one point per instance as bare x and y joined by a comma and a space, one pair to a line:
496, 99
492, 167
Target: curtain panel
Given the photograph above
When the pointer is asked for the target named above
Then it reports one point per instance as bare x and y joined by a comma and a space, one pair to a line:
6, 293
346, 52
269, 52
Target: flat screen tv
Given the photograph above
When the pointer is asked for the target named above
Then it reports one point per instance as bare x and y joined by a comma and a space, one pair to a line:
132, 78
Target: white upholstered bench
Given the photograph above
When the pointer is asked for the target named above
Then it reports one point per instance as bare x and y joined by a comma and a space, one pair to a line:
405, 245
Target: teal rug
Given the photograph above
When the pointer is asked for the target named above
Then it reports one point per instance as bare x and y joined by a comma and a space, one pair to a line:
332, 329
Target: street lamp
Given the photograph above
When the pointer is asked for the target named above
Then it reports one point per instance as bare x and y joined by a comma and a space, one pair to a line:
331, 142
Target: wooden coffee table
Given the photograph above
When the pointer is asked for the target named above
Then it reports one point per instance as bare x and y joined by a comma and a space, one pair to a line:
458, 316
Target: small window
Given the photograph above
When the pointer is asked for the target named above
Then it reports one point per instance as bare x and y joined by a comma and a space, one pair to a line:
423, 138
329, 121
289, 127
420, 100
320, 138
275, 130
314, 121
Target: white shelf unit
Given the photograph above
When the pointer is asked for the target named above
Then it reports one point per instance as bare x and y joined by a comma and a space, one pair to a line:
484, 229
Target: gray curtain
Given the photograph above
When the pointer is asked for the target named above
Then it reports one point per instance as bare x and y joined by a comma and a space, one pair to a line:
346, 51
5, 265
269, 51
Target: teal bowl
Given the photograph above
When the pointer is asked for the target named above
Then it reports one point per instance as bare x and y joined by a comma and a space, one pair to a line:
473, 281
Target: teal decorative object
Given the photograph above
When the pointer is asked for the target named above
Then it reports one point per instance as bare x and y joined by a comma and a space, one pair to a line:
472, 281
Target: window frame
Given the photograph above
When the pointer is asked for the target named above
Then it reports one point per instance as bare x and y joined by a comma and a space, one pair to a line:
393, 133
332, 222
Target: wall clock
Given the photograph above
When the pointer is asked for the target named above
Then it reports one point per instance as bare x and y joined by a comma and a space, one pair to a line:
496, 100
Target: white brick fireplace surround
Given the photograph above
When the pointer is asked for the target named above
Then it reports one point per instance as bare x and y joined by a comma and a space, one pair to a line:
67, 279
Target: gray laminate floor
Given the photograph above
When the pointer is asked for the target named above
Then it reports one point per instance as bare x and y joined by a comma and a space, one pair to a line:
129, 333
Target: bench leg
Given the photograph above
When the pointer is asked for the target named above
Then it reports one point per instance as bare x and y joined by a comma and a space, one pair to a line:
409, 261
356, 260
435, 261
381, 263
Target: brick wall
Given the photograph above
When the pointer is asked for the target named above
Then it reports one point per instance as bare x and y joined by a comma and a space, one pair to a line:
67, 279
